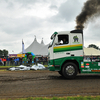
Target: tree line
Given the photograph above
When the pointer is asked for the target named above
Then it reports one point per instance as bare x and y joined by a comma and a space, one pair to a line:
4, 52
94, 46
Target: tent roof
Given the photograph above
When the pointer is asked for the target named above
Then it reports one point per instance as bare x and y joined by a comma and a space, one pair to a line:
91, 51
42, 41
37, 48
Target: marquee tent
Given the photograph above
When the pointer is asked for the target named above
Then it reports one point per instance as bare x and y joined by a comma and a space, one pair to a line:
91, 52
38, 48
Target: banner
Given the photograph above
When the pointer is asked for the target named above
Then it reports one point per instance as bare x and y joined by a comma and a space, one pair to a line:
20, 55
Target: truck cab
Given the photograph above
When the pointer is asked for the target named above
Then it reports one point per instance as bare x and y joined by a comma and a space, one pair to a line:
65, 52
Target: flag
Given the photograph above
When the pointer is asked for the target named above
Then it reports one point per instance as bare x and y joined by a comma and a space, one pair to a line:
23, 50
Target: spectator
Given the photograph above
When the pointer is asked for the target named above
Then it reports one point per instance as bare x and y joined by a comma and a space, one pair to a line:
98, 58
43, 59
30, 60
21, 59
1, 63
11, 62
17, 60
8, 61
35, 60
25, 60
4, 60
39, 60
91, 58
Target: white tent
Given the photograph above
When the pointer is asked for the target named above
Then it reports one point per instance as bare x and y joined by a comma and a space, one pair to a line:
91, 52
37, 48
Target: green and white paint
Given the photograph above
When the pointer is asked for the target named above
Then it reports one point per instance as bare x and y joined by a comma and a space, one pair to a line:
71, 51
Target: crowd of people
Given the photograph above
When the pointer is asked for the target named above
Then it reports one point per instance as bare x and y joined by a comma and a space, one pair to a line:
92, 58
42, 59
16, 61
11, 61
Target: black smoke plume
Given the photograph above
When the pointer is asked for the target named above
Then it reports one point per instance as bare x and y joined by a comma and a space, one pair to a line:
91, 9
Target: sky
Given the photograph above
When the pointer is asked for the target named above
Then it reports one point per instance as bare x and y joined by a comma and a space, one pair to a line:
25, 19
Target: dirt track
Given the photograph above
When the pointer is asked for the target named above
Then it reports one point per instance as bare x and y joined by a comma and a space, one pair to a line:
17, 84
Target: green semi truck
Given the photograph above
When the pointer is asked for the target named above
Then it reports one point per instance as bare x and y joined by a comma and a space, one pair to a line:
66, 55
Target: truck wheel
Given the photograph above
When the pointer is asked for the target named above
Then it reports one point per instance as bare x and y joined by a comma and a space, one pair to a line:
69, 70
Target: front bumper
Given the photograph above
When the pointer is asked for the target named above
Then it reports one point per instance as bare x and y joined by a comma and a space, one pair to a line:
54, 68
51, 68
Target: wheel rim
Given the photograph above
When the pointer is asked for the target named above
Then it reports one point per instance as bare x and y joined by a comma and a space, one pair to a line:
70, 70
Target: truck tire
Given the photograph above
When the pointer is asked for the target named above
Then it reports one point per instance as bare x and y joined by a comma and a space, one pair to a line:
69, 70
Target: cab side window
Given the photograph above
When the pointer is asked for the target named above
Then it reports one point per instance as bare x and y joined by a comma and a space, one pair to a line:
63, 39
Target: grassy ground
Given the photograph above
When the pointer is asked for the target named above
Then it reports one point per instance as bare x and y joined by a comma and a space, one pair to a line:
60, 98
4, 68
15, 66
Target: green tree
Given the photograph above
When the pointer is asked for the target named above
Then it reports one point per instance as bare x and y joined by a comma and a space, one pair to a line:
5, 52
1, 52
93, 46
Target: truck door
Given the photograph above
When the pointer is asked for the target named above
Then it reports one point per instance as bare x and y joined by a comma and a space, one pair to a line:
76, 40
61, 49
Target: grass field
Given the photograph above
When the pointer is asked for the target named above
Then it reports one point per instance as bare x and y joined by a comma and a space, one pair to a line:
5, 66
59, 98
14, 66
